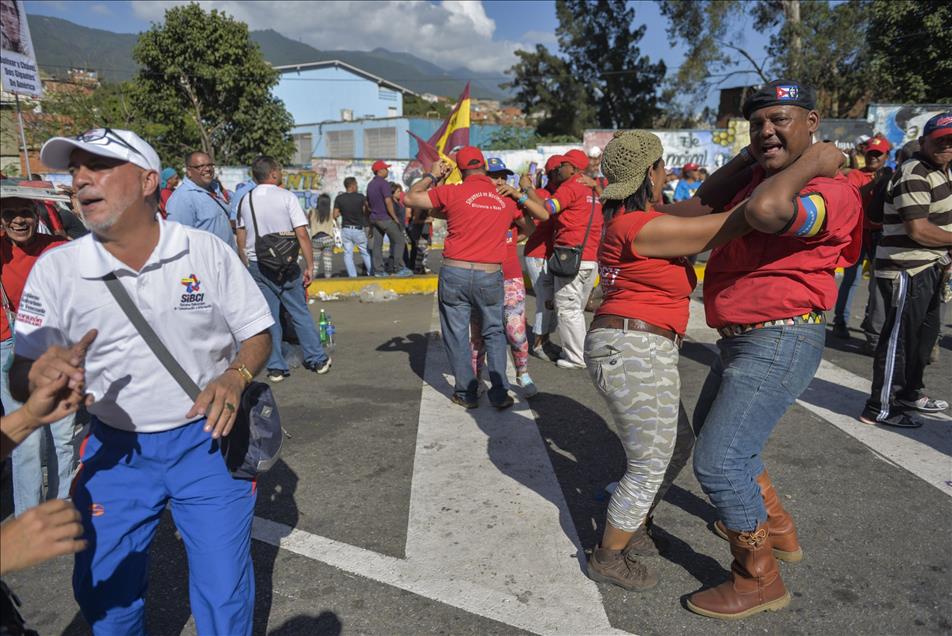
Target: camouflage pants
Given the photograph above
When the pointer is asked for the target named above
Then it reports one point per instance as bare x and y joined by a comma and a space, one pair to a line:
637, 374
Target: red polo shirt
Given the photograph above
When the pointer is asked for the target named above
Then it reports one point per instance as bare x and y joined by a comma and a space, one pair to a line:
17, 263
539, 243
656, 290
760, 277
574, 204
859, 178
477, 219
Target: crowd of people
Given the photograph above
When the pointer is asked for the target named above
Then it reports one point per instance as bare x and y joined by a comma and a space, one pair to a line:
231, 270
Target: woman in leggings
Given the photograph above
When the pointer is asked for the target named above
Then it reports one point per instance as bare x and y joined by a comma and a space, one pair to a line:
631, 350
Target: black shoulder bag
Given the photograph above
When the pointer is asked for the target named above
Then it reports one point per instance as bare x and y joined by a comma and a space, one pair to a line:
277, 252
254, 443
567, 259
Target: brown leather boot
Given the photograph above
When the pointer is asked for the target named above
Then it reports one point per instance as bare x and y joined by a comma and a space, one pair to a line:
755, 584
644, 543
613, 566
783, 533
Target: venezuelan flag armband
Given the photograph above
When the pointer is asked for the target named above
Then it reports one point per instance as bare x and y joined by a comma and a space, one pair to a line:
553, 206
809, 216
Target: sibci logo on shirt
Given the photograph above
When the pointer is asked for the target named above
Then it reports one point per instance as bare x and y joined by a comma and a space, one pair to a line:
194, 297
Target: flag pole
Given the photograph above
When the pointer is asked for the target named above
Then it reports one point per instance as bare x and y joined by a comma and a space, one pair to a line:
26, 153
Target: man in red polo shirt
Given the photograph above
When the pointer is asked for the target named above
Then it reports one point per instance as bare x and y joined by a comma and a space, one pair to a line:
765, 293
478, 217
864, 179
578, 221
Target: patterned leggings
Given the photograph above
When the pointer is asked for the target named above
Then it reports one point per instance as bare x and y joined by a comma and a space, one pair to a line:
514, 317
323, 249
637, 374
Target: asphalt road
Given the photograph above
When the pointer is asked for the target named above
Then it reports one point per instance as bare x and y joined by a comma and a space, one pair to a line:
400, 513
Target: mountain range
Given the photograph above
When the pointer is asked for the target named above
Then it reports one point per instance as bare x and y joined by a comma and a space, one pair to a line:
60, 45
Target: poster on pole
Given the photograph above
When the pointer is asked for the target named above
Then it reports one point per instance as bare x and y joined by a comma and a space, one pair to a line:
18, 68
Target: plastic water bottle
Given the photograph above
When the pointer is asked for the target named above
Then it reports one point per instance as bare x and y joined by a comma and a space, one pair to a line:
330, 335
322, 324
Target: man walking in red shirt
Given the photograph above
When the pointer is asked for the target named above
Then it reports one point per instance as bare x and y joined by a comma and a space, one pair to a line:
478, 217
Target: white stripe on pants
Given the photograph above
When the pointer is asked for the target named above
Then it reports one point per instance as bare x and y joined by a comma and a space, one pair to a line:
571, 295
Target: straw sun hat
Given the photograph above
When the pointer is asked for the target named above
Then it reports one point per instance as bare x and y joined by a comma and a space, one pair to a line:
625, 162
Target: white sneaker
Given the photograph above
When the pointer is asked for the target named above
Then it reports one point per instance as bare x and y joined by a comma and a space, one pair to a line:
562, 363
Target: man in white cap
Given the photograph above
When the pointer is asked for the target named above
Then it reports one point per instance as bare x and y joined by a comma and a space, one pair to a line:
149, 444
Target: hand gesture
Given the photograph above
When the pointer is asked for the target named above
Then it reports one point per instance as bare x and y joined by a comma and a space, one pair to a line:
219, 403
53, 401
829, 159
440, 169
587, 181
508, 191
49, 530
525, 182
62, 361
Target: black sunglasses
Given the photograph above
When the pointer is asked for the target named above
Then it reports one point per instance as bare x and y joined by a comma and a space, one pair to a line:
111, 136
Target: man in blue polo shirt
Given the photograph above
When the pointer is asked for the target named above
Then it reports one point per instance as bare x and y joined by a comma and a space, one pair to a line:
196, 204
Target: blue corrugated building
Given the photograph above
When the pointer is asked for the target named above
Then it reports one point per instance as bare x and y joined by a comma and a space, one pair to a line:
343, 112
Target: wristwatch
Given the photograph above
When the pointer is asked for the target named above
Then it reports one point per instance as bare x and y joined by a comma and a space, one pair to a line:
243, 372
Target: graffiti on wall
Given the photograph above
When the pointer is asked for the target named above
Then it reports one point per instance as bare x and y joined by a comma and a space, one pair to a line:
708, 148
902, 123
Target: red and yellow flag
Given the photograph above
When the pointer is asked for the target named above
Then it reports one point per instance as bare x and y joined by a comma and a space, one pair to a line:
452, 135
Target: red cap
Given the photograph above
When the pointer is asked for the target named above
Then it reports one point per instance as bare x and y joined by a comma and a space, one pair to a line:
577, 158
553, 163
690, 166
379, 165
878, 144
469, 158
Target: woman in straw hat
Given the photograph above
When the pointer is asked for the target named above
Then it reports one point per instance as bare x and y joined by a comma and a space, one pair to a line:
631, 350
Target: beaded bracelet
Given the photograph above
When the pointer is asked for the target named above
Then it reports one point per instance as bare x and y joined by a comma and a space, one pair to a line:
522, 199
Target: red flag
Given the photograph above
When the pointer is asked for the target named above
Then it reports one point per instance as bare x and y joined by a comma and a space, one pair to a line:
427, 155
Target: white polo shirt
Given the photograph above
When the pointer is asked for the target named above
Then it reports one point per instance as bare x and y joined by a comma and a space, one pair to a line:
193, 291
276, 210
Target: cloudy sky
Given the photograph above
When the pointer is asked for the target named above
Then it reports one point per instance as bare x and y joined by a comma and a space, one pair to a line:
479, 35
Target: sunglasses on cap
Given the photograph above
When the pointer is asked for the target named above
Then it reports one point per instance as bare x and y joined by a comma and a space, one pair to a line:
107, 136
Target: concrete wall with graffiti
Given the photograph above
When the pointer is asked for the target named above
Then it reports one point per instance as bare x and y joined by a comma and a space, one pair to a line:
902, 123
708, 148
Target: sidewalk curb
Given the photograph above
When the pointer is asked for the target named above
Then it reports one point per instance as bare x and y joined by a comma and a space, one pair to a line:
418, 284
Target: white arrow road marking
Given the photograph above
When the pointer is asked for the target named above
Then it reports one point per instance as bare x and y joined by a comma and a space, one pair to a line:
489, 531
838, 396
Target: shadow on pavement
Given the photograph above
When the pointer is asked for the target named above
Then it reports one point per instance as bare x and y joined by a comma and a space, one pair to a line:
414, 345
324, 624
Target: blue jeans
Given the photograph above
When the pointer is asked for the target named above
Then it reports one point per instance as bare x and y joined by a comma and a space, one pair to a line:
463, 292
290, 293
751, 384
851, 277
350, 237
55, 441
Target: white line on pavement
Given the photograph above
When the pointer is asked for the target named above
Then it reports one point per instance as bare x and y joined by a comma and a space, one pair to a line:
838, 396
489, 531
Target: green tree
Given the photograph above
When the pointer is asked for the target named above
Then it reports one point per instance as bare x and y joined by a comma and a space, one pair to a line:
598, 77
511, 138
910, 49
203, 77
414, 106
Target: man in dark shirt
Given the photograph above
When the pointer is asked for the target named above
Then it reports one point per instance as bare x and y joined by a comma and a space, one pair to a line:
383, 218
351, 206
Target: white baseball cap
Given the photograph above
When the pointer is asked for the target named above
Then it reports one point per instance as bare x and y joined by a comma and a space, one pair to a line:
595, 152
124, 145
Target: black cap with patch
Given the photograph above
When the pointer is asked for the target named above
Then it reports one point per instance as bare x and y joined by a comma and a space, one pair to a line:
779, 93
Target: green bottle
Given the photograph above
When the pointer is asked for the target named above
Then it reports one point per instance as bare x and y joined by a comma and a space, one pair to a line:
322, 323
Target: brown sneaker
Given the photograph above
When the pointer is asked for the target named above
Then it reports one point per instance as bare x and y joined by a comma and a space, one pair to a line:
612, 566
644, 543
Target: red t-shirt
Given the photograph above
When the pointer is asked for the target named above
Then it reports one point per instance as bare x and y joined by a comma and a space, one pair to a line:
574, 204
760, 277
17, 263
656, 290
477, 219
859, 178
511, 267
539, 243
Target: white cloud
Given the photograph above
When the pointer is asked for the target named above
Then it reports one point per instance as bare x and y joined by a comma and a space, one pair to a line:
450, 34
548, 38
101, 9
